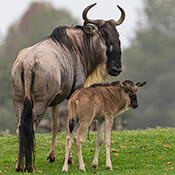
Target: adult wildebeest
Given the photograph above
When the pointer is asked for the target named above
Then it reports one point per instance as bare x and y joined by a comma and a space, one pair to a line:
50, 71
100, 102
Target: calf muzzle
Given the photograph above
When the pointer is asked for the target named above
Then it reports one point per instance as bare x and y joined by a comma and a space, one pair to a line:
134, 105
134, 102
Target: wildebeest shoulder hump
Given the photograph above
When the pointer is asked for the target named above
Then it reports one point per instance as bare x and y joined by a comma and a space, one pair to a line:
59, 35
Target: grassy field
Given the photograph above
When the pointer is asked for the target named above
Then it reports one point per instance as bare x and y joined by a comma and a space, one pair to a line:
140, 152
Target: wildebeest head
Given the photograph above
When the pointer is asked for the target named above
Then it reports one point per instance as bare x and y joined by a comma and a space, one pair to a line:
130, 88
107, 29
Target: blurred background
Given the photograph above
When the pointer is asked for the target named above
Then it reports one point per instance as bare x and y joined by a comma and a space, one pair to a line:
148, 45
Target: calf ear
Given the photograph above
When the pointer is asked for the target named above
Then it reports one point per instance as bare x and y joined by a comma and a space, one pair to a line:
140, 84
120, 84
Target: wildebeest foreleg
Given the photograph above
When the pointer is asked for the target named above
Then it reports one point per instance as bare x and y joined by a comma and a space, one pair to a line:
100, 135
54, 128
108, 127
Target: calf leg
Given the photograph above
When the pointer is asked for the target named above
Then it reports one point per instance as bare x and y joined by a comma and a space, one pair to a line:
67, 152
70, 160
54, 129
100, 135
78, 140
108, 127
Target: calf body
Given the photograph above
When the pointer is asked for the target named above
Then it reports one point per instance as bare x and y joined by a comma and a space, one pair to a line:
100, 102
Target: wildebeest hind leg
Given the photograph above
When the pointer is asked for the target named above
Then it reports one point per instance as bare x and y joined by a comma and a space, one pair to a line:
39, 110
54, 128
18, 109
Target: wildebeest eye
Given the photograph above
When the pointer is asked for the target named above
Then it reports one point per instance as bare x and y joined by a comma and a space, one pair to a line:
104, 34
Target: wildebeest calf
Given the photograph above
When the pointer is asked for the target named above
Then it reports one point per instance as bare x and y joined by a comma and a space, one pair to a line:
100, 102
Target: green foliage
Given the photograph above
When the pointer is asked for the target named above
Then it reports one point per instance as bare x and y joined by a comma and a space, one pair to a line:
161, 15
151, 58
132, 152
36, 24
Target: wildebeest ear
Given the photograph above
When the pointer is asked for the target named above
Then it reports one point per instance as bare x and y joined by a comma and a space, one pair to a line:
140, 84
88, 28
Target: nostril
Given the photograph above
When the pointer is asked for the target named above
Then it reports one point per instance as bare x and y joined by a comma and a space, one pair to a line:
135, 105
119, 70
115, 71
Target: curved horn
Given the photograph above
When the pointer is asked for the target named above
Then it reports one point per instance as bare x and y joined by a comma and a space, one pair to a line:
98, 22
122, 17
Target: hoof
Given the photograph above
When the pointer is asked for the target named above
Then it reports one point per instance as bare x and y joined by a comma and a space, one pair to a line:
70, 160
19, 168
51, 158
65, 170
29, 169
94, 166
82, 169
108, 168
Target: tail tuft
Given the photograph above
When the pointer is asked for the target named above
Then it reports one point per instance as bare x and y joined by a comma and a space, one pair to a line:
71, 125
26, 132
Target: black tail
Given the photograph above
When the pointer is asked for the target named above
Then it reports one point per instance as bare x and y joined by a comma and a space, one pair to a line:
88, 132
71, 125
26, 133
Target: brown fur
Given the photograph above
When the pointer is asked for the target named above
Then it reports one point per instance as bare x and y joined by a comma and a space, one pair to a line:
100, 102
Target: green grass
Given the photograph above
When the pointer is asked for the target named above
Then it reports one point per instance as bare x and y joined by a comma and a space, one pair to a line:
139, 152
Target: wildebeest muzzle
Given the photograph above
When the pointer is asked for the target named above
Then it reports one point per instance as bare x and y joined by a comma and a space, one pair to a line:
114, 68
